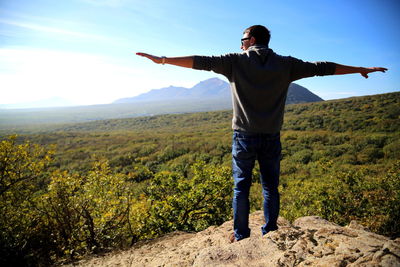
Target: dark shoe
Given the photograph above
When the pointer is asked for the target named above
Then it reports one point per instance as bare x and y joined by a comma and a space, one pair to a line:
232, 238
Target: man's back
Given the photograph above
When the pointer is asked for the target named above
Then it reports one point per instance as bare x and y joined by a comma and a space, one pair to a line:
259, 80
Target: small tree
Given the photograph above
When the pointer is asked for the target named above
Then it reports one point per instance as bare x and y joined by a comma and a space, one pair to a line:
88, 213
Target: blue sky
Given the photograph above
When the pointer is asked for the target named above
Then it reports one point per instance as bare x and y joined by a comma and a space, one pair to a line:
84, 50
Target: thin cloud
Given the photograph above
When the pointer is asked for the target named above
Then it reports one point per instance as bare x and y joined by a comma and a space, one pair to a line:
47, 29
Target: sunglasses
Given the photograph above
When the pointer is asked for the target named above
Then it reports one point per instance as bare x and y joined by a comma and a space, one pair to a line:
244, 39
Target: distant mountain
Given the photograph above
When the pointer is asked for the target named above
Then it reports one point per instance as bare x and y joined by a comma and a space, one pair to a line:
212, 89
299, 94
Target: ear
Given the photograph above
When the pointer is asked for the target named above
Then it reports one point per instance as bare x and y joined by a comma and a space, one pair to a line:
252, 41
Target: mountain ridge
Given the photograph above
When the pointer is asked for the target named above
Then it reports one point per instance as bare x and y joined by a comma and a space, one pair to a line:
212, 88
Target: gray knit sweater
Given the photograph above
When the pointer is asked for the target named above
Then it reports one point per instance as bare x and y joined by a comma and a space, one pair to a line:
259, 80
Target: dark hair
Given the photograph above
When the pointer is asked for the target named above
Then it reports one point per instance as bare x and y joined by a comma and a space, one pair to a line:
260, 33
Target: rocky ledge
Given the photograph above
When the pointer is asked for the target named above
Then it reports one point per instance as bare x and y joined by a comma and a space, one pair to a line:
308, 241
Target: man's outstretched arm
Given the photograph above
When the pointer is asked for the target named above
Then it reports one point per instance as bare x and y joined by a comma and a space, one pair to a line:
343, 69
186, 62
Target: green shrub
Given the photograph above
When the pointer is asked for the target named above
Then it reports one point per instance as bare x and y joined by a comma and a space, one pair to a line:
87, 213
303, 156
22, 178
189, 204
344, 195
392, 150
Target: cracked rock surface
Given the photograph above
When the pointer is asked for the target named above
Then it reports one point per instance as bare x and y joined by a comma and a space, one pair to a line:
309, 241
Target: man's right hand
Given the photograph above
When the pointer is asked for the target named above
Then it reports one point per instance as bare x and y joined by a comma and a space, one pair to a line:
364, 72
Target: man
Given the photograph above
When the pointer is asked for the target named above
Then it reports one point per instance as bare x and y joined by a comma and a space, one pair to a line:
259, 80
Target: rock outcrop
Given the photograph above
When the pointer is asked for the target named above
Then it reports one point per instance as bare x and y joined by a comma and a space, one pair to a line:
309, 241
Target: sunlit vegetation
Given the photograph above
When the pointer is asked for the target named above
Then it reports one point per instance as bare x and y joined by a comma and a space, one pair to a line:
70, 190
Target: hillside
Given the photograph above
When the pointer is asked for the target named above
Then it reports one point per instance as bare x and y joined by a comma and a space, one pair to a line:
309, 241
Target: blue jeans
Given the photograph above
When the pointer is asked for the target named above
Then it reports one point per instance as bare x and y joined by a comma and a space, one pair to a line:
246, 149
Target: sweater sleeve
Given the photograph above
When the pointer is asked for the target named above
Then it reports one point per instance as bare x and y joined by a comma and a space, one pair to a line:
217, 64
301, 69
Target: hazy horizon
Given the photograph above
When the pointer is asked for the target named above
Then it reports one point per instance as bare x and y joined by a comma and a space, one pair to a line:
54, 102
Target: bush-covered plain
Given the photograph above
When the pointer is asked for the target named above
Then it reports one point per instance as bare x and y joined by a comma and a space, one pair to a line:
70, 190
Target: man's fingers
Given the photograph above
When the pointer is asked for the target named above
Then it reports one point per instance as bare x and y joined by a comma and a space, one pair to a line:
151, 57
144, 55
380, 69
383, 69
373, 69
